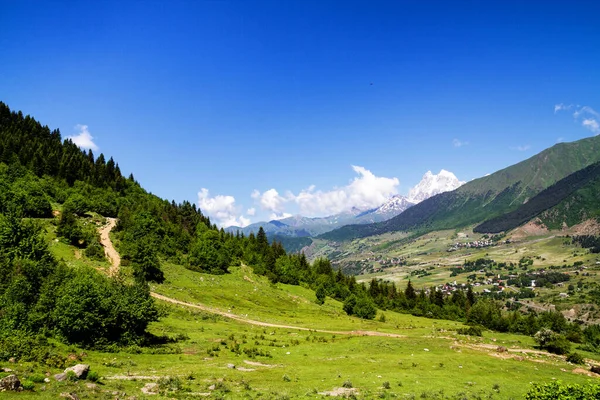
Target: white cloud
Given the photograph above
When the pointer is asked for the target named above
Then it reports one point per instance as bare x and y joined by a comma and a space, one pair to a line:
221, 209
560, 139
83, 139
561, 107
591, 124
586, 114
458, 143
275, 216
364, 191
251, 211
521, 148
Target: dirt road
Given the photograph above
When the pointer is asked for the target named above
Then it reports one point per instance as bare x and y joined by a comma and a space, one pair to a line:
267, 324
113, 255
109, 250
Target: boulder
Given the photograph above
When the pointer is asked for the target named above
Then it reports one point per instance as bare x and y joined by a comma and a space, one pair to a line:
10, 382
596, 369
80, 370
60, 377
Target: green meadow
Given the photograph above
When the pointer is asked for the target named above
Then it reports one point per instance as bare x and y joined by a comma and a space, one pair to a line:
322, 352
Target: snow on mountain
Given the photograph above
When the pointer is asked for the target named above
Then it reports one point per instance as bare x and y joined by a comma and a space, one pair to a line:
432, 184
298, 225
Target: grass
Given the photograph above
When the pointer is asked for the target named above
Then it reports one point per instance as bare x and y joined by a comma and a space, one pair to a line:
430, 359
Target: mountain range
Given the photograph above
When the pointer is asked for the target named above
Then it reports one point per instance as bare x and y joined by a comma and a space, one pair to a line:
300, 226
503, 192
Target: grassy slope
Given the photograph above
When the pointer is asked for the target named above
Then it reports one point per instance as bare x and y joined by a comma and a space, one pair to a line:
313, 362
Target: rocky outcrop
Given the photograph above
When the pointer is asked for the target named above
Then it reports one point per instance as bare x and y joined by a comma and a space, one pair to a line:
10, 382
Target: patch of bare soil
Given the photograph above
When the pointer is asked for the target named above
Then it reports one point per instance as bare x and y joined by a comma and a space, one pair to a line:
345, 392
588, 227
582, 371
259, 364
535, 227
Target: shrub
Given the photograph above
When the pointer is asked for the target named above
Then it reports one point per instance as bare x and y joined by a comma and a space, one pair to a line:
93, 376
471, 331
386, 385
37, 378
347, 384
286, 378
27, 385
71, 377
553, 342
575, 358
560, 390
169, 383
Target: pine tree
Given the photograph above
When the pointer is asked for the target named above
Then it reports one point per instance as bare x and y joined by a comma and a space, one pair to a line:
409, 292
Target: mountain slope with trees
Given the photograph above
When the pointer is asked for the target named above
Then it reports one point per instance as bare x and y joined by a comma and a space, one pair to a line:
487, 197
577, 195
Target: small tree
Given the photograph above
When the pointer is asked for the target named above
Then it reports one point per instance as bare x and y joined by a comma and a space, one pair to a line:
320, 293
146, 265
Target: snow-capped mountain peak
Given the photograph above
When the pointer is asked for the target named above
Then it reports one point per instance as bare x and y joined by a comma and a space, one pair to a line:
396, 203
432, 184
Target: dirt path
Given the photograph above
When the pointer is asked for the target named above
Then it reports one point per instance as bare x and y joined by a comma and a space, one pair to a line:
112, 254
109, 250
268, 324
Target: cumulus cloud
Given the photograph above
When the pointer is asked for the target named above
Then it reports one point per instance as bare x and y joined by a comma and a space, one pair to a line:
459, 143
585, 114
83, 139
365, 191
251, 211
221, 209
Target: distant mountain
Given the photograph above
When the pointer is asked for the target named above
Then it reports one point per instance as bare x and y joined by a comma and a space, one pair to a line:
432, 184
299, 226
569, 201
394, 206
487, 197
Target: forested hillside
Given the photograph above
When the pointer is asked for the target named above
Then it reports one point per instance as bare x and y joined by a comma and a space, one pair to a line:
50, 183
487, 197
586, 180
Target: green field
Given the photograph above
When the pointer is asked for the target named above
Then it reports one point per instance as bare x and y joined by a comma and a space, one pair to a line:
211, 355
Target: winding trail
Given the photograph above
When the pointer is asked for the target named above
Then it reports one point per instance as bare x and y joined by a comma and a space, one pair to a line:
268, 324
115, 259
109, 249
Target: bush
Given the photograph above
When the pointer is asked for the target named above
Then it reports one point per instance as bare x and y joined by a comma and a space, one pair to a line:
560, 390
93, 376
471, 331
575, 358
552, 341
95, 251
37, 378
347, 384
27, 385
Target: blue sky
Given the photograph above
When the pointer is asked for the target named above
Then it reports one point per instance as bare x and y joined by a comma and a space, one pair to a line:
268, 105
